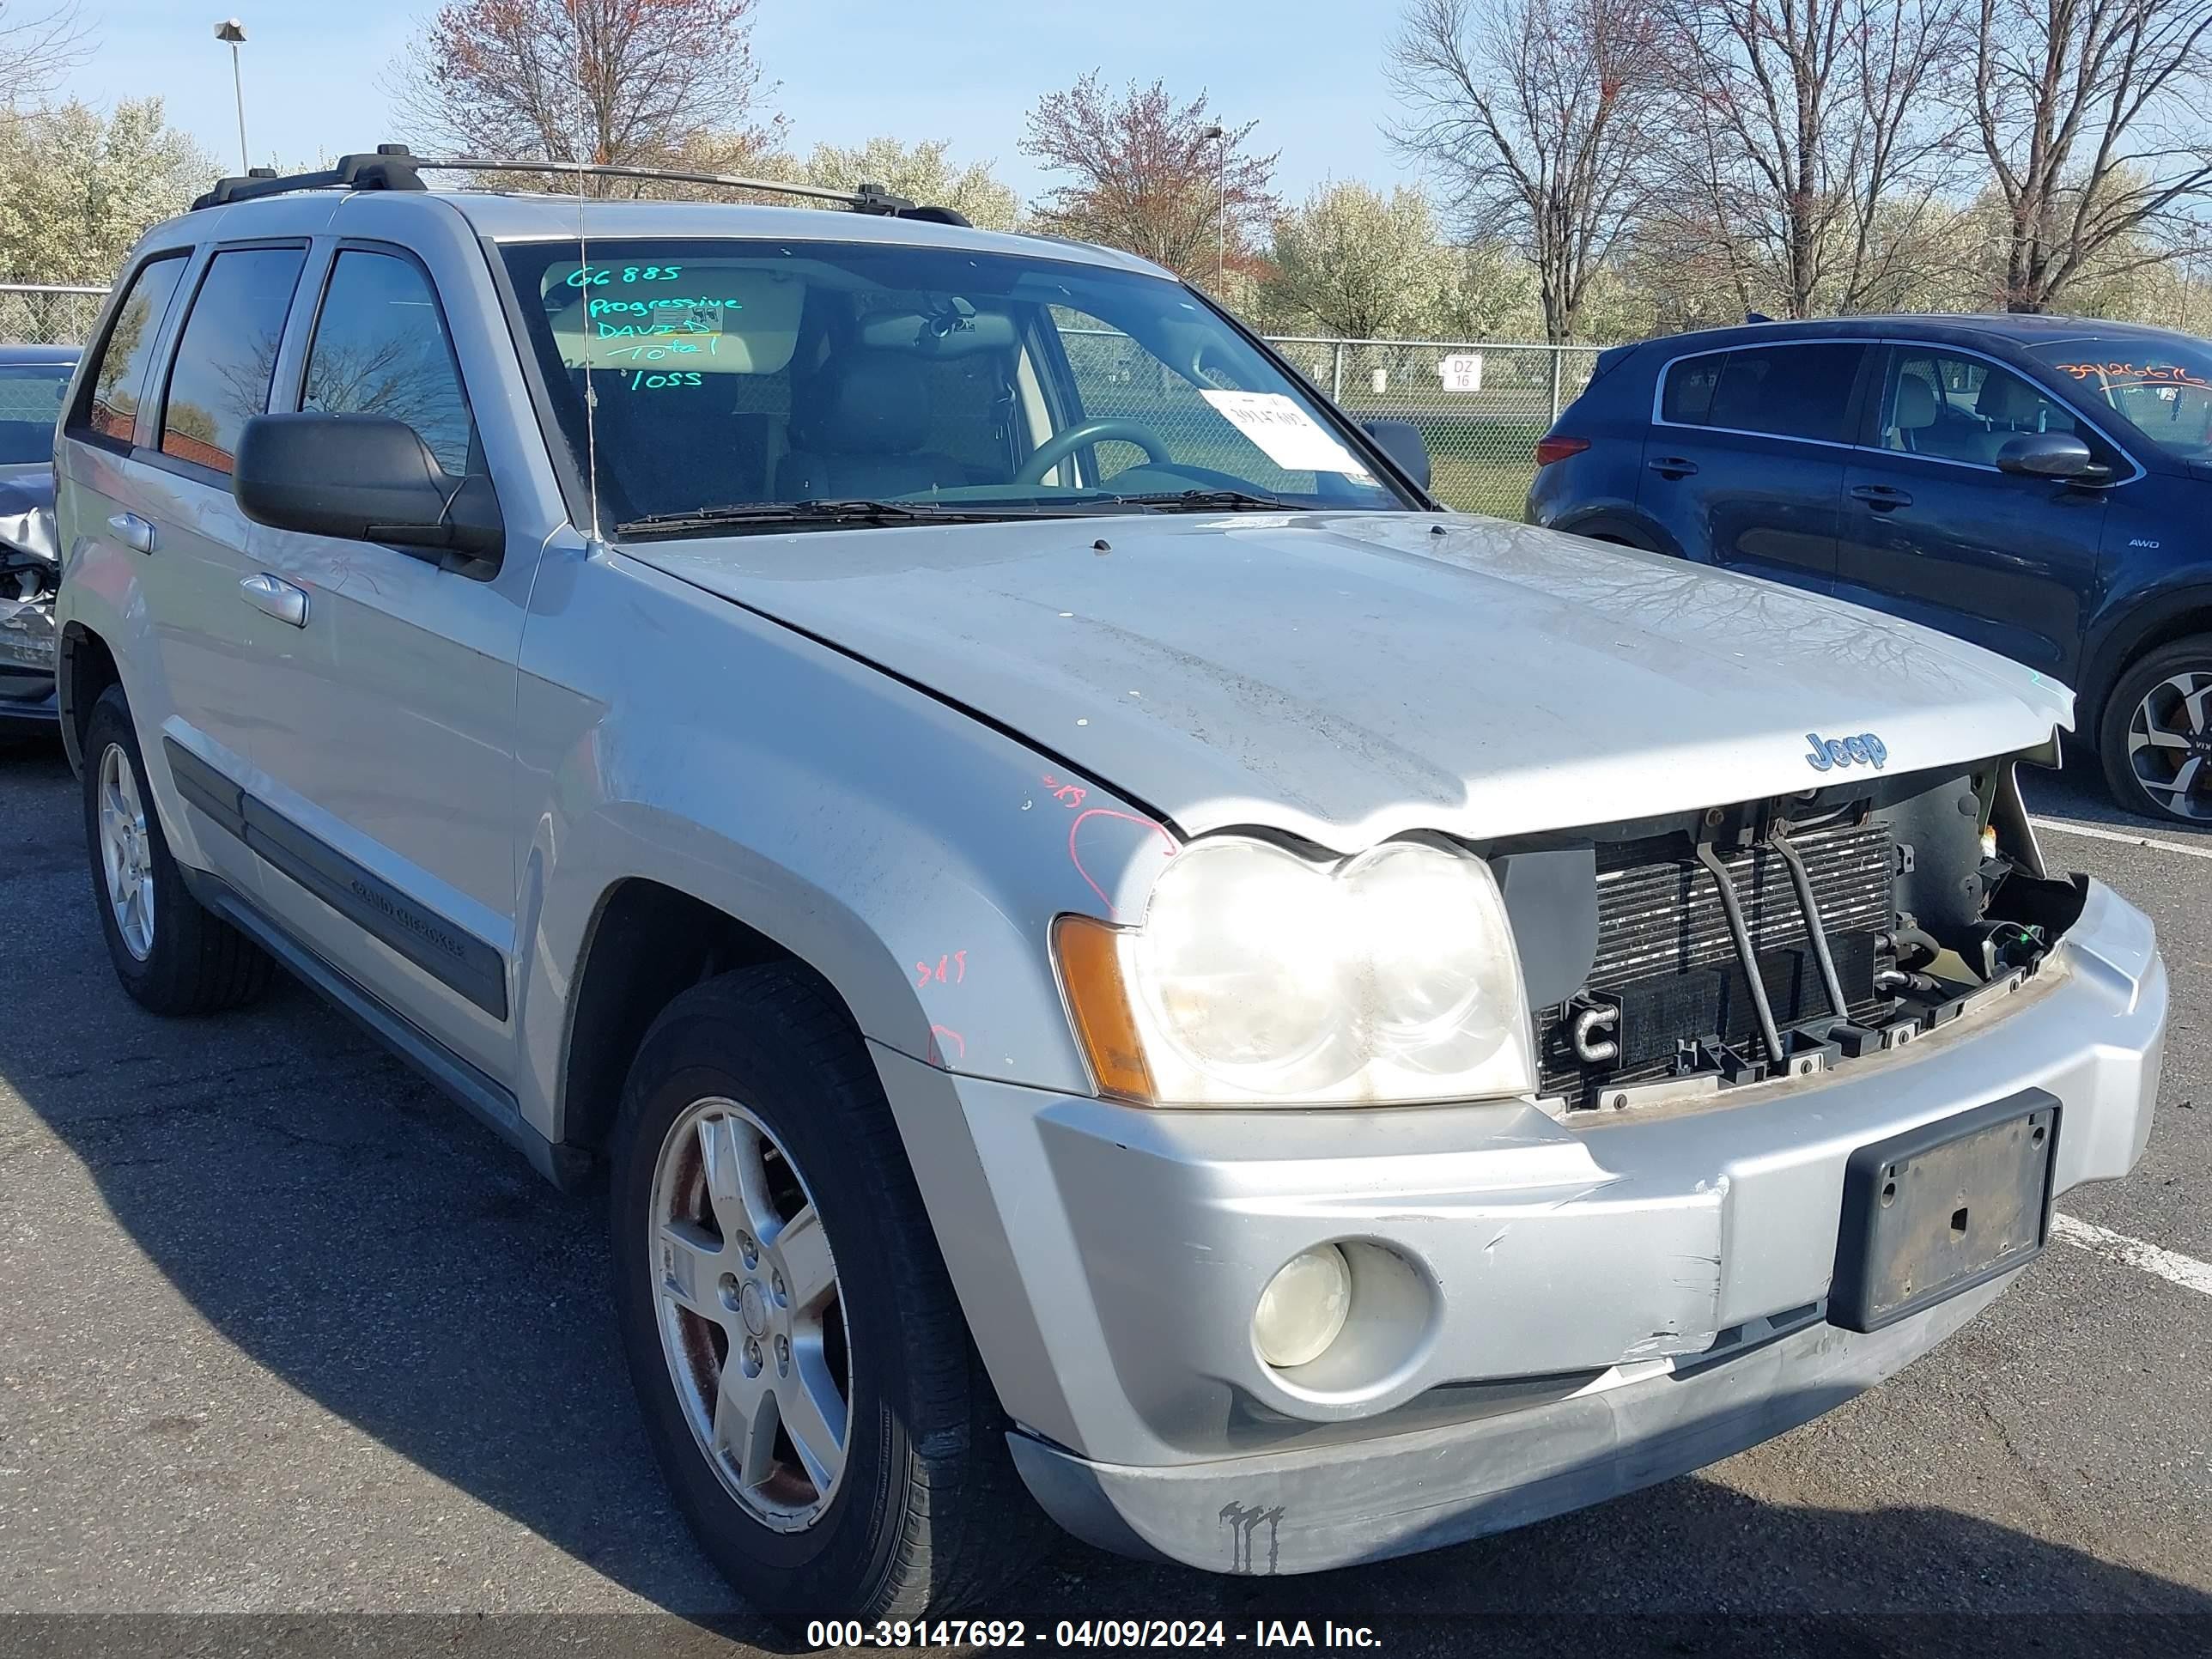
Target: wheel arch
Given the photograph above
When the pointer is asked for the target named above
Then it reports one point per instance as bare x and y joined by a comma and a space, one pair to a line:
88, 668
1621, 526
646, 944
2157, 620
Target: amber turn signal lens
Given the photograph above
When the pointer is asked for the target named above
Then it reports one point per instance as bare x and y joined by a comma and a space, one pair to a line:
1091, 973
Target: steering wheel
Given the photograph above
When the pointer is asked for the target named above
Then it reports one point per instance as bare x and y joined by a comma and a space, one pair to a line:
1057, 448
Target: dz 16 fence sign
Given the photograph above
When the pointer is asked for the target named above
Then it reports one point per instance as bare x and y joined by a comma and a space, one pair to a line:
1462, 371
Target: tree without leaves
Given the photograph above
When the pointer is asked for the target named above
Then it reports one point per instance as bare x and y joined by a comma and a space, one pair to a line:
1534, 111
1146, 177
631, 83
2092, 113
38, 47
1802, 126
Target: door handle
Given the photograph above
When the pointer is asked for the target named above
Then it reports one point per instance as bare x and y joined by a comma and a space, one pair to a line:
1673, 466
133, 531
1882, 498
279, 598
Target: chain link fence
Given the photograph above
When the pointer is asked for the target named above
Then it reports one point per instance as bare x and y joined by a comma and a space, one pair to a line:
1481, 405
41, 313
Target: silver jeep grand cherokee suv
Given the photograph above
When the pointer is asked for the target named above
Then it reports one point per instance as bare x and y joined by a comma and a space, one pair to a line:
1106, 945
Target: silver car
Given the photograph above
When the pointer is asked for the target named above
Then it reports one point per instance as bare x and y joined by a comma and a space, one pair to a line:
1106, 947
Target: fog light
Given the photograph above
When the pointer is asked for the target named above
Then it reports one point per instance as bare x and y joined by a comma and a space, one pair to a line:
1302, 1307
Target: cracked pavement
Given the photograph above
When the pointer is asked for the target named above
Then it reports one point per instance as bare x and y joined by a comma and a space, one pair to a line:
284, 1333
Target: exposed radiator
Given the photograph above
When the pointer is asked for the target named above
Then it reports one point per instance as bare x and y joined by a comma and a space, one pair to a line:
1664, 949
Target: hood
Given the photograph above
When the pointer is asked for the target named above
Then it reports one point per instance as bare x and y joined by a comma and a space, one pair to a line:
1347, 677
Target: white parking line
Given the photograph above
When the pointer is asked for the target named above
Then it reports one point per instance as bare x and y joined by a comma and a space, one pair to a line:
2183, 1270
2066, 827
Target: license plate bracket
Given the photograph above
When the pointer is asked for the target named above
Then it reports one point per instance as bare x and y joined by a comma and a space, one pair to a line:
1940, 1209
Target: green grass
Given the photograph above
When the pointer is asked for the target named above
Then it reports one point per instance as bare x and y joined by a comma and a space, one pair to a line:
1482, 466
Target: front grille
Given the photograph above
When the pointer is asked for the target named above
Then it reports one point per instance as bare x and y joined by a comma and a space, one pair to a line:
1665, 954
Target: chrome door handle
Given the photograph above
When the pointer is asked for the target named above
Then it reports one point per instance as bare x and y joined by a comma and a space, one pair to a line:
133, 531
279, 598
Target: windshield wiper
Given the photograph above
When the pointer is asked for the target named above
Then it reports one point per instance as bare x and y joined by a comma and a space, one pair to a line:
1211, 500
832, 513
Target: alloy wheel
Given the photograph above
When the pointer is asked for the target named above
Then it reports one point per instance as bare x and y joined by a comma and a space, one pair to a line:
126, 857
751, 1323
2170, 743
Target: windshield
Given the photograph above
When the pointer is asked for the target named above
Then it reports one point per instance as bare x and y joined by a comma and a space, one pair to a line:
30, 403
728, 372
2162, 386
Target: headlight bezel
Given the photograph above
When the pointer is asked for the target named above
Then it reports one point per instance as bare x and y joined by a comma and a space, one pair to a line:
1200, 1039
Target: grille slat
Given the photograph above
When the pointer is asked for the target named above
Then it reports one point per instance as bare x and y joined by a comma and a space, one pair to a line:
1664, 948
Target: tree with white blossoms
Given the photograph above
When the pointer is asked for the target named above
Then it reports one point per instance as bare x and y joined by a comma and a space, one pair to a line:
922, 173
82, 186
1354, 263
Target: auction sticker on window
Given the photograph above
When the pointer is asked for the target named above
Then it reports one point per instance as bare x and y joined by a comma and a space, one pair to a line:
1285, 433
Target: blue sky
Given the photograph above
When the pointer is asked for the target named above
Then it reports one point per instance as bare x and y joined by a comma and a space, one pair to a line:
1310, 70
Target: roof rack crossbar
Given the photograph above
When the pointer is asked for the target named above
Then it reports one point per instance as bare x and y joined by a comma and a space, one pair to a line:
389, 167
393, 168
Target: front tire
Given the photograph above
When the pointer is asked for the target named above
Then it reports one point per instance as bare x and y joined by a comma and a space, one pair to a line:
173, 955
2155, 737
807, 1380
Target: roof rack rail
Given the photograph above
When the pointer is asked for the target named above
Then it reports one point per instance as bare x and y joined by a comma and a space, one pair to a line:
393, 166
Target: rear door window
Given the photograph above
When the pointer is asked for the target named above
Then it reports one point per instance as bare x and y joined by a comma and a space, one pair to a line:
118, 378
1779, 391
380, 348
1789, 391
228, 353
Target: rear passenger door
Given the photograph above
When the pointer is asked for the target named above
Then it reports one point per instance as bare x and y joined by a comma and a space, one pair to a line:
387, 752
1931, 530
1744, 463
173, 432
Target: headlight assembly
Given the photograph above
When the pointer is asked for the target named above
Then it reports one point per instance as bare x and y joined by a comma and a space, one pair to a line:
1259, 977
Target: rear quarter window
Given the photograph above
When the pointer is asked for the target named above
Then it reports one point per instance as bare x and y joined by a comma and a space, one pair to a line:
1687, 398
117, 380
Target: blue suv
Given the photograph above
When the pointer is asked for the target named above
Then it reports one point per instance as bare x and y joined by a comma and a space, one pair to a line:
2039, 485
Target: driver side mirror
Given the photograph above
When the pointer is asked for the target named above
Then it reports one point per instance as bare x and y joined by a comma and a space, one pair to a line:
2050, 455
362, 478
1402, 442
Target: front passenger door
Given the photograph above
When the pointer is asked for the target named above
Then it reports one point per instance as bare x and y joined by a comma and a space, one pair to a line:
390, 750
1933, 531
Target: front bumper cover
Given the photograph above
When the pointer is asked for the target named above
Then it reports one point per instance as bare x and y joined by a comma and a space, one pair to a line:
1307, 1511
1604, 1301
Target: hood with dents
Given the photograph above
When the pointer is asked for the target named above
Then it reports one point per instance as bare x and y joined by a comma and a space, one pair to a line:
1346, 676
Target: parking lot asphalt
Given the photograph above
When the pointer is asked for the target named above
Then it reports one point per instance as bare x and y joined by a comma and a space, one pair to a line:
283, 1333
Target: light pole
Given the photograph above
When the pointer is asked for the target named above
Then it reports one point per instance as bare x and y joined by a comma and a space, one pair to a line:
1219, 135
232, 33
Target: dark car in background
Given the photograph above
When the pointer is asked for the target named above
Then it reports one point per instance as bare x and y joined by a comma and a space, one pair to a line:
2039, 485
33, 380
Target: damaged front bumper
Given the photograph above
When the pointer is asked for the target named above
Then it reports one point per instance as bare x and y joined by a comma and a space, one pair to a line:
1546, 1312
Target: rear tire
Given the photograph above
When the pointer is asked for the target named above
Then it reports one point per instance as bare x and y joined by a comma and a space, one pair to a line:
2155, 738
769, 1240
173, 955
